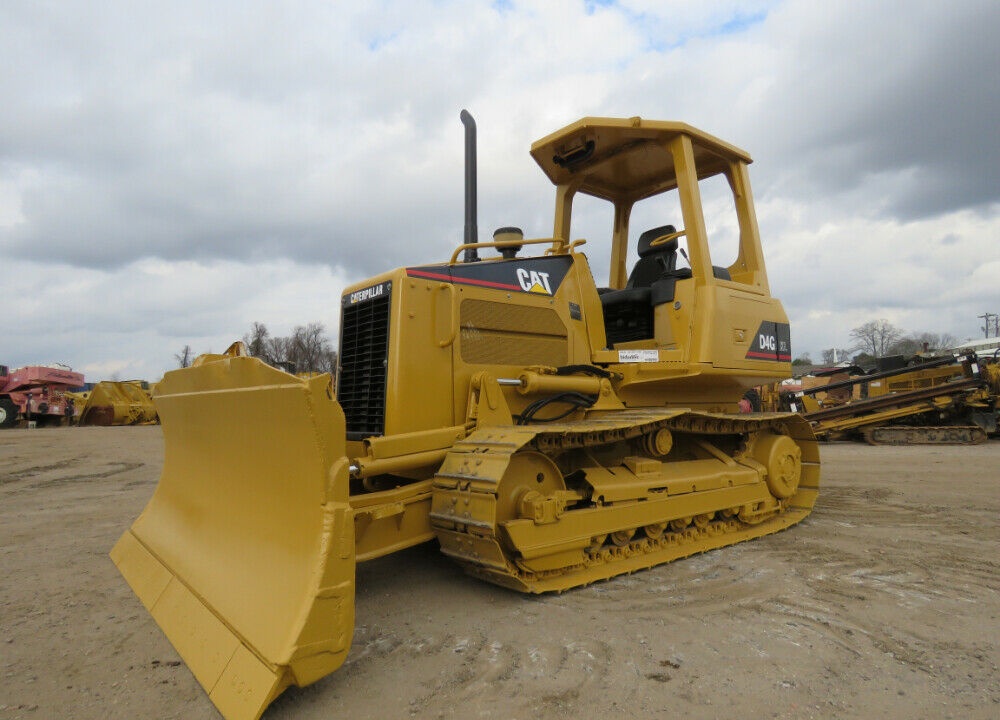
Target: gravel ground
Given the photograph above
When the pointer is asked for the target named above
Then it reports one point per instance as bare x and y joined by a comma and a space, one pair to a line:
883, 603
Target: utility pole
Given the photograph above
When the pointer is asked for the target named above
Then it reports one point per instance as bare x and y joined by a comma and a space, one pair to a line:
991, 324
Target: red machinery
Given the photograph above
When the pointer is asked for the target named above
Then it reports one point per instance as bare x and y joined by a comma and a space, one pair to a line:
36, 392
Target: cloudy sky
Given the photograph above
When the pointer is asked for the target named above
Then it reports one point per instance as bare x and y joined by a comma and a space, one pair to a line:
172, 172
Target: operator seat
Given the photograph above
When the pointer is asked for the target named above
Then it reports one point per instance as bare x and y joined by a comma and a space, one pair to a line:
653, 261
628, 313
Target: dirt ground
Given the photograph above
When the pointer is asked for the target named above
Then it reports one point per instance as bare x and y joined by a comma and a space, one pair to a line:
883, 603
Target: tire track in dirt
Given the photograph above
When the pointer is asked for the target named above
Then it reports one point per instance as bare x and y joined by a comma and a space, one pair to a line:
23, 476
462, 668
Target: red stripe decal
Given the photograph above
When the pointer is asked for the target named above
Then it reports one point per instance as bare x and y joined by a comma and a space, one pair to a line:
428, 275
768, 356
461, 280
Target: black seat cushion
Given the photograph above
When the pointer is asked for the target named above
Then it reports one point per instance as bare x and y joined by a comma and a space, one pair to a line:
626, 296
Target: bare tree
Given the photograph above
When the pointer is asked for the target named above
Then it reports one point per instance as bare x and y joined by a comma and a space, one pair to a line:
875, 337
947, 341
922, 342
184, 358
310, 349
258, 342
307, 349
277, 352
329, 362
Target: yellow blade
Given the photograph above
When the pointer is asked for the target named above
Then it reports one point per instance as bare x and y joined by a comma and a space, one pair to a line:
244, 555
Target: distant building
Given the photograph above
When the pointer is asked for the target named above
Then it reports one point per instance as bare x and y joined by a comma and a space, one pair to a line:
985, 346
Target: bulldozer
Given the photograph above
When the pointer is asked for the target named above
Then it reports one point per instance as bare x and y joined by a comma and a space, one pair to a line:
545, 432
117, 402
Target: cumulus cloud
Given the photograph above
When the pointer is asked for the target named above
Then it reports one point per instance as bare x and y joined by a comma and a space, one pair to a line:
132, 320
170, 174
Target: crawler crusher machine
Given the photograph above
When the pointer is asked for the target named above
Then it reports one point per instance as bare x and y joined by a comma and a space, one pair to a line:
949, 400
547, 433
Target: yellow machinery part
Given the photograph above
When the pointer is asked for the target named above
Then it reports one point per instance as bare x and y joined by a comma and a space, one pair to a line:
245, 554
547, 434
502, 510
925, 435
118, 403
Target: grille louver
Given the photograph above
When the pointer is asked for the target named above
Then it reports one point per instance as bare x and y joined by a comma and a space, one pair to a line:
494, 333
364, 353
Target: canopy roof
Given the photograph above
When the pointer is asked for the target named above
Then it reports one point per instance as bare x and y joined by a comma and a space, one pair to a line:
627, 159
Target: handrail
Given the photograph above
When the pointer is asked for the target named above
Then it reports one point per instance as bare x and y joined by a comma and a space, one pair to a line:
500, 244
656, 242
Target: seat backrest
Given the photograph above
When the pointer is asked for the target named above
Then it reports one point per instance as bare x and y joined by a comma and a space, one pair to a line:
653, 261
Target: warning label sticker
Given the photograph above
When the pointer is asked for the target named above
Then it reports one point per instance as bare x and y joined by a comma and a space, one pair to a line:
642, 356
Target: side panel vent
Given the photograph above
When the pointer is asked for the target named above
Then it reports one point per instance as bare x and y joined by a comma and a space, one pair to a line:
502, 334
364, 356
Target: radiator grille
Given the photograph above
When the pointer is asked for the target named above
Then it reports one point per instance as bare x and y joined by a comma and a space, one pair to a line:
499, 334
364, 354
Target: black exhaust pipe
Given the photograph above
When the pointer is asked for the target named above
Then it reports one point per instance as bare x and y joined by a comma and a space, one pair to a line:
471, 231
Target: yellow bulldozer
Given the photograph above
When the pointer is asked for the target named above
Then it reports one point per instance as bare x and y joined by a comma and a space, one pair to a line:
545, 432
113, 402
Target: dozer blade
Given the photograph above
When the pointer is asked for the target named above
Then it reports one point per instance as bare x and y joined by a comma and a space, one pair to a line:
244, 556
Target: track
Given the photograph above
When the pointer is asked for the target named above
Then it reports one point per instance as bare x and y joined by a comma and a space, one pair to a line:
927, 435
550, 507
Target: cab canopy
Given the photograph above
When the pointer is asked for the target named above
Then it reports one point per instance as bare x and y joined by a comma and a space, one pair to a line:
620, 159
626, 160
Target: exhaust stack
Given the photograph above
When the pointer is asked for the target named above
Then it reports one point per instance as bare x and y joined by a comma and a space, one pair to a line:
471, 231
